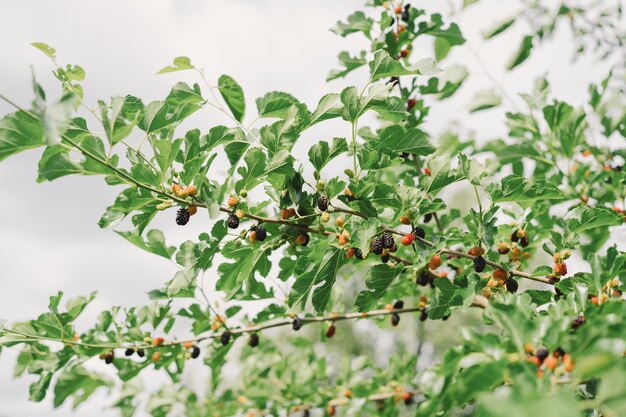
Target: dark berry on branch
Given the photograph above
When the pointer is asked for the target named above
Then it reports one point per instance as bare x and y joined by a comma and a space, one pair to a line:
446, 317
407, 6
261, 233
524, 241
109, 357
423, 315
514, 237
385, 258
423, 279
233, 221
141, 353
387, 240
195, 352
322, 203
395, 319
419, 232
398, 304
129, 352
578, 321
542, 354
511, 285
405, 15
392, 22
297, 324
358, 254
225, 338
394, 248
407, 398
182, 217
253, 341
479, 264
428, 217
377, 246
331, 331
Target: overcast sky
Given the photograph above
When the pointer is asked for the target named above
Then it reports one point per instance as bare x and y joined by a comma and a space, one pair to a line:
49, 239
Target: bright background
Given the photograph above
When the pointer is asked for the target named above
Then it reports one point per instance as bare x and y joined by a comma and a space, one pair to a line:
49, 239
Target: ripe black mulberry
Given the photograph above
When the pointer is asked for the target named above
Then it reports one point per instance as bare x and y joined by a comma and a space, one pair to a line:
511, 285
253, 341
322, 203
377, 246
195, 352
182, 216
419, 232
387, 240
297, 323
233, 221
261, 233
479, 264
225, 338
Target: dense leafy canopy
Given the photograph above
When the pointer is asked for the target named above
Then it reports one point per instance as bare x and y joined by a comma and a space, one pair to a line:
294, 242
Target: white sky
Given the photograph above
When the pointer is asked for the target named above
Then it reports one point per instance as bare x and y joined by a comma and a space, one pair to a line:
49, 239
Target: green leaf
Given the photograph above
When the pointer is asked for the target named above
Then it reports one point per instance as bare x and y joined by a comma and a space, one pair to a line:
46, 49
275, 104
395, 140
77, 382
321, 153
329, 107
518, 189
56, 117
350, 63
116, 125
584, 218
485, 99
498, 28
323, 270
365, 231
522, 53
155, 242
383, 66
159, 115
357, 22
377, 281
180, 63
19, 132
233, 96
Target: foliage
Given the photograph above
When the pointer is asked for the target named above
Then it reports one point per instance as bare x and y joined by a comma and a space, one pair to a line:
555, 347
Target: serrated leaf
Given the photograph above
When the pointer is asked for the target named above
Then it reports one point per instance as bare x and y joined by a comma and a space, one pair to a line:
180, 63
377, 281
49, 51
522, 53
396, 139
321, 153
357, 22
584, 218
233, 96
518, 189
275, 104
485, 99
383, 66
19, 132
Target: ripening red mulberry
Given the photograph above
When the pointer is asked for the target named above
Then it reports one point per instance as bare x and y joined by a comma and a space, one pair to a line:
331, 331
